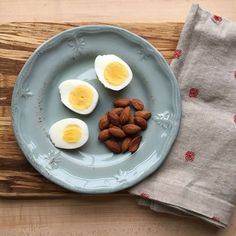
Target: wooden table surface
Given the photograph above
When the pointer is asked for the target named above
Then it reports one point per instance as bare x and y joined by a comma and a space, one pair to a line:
101, 215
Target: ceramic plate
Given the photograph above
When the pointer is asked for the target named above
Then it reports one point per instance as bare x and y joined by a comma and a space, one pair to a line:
36, 106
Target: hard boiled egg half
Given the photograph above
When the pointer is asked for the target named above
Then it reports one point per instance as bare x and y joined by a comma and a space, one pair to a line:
113, 72
69, 133
79, 96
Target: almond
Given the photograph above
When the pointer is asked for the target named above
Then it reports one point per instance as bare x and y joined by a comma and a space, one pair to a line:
125, 144
137, 104
144, 114
113, 146
134, 144
111, 126
134, 135
131, 129
131, 119
121, 102
117, 132
117, 110
103, 122
140, 122
114, 118
104, 135
124, 116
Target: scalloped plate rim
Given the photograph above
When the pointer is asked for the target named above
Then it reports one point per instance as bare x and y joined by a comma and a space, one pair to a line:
177, 99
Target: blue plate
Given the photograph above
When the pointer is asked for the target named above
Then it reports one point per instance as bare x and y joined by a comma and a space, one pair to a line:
36, 106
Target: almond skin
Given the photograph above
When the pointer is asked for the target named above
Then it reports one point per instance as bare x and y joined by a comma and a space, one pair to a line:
134, 144
104, 135
144, 114
113, 146
141, 122
125, 144
137, 104
124, 116
111, 126
117, 132
104, 122
121, 102
131, 119
131, 129
134, 135
117, 110
114, 118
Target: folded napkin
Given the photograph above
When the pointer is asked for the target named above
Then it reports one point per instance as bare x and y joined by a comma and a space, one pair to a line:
199, 176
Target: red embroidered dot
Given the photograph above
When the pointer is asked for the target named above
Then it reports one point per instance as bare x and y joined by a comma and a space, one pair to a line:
189, 156
217, 19
216, 218
193, 92
235, 119
177, 53
145, 195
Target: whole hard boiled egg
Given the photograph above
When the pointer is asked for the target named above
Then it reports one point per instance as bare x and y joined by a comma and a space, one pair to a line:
69, 133
79, 96
113, 72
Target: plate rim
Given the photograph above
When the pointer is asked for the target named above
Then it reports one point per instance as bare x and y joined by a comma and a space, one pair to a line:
157, 55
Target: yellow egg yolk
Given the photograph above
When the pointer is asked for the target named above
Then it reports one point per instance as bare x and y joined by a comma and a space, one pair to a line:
81, 97
115, 73
72, 133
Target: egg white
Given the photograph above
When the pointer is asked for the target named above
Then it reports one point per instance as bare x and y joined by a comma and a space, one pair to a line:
66, 87
100, 64
57, 129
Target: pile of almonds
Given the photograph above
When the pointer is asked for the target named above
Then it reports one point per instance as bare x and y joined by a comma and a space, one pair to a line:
120, 129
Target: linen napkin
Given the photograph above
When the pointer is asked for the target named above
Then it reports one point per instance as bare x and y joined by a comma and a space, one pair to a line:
199, 176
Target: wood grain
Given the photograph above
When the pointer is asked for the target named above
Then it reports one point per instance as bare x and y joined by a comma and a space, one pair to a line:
109, 10
17, 41
96, 216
